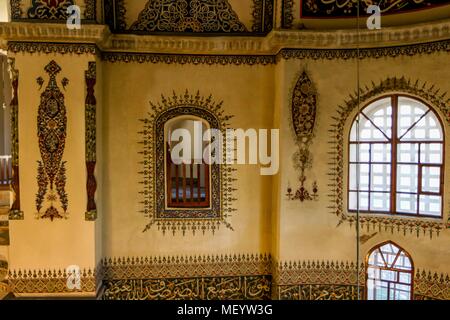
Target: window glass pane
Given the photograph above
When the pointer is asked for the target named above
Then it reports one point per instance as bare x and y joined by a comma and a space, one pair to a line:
430, 205
361, 149
370, 289
375, 125
380, 201
380, 177
400, 292
381, 152
406, 203
403, 262
408, 152
389, 249
431, 179
363, 177
407, 176
373, 273
363, 200
409, 111
376, 259
381, 292
380, 114
405, 277
389, 253
388, 275
431, 153
428, 128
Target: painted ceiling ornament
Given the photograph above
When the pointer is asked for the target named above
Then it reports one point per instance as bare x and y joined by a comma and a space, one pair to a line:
49, 9
204, 16
52, 131
303, 113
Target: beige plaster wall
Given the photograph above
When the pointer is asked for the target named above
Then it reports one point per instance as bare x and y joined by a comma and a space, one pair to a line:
44, 244
246, 92
258, 97
309, 230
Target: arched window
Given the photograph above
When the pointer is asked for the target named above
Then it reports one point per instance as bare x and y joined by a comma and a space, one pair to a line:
206, 187
188, 175
396, 162
390, 273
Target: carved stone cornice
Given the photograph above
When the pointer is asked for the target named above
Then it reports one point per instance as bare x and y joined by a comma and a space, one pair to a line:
348, 38
52, 32
272, 44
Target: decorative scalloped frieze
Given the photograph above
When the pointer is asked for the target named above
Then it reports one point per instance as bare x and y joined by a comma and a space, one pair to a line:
50, 281
346, 39
186, 266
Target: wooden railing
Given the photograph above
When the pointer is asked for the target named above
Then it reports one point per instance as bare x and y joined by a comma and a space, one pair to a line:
5, 171
187, 184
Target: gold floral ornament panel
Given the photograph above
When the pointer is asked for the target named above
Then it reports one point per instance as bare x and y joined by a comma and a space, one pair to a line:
431, 286
429, 93
51, 198
153, 168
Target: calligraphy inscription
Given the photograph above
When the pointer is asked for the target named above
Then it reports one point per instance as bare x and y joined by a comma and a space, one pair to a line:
203, 288
349, 8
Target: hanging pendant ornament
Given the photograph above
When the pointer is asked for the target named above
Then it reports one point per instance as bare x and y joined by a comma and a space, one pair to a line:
303, 112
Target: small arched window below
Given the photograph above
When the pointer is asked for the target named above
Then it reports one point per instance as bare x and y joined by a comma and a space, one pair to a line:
396, 159
390, 273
